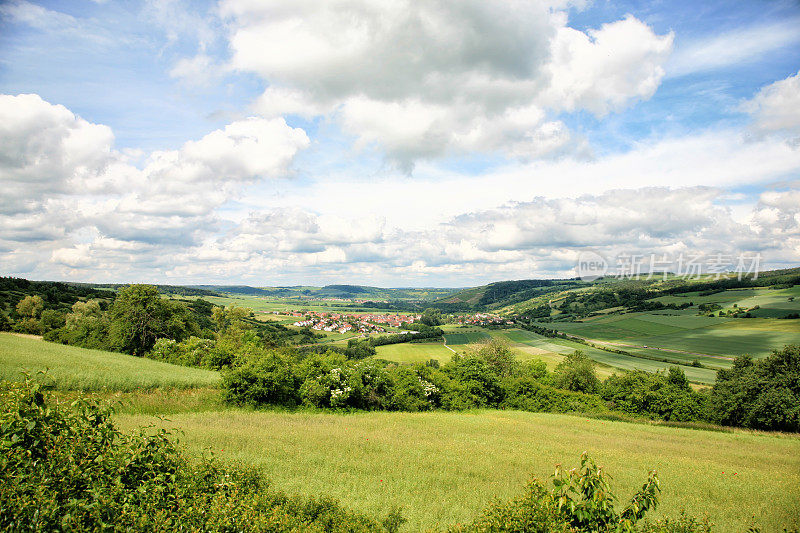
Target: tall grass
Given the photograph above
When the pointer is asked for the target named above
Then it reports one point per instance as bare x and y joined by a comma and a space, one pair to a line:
445, 467
72, 368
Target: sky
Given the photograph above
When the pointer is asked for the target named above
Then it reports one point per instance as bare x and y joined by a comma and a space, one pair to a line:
394, 143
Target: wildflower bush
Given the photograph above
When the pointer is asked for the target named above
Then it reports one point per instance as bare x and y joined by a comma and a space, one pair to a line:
69, 469
580, 500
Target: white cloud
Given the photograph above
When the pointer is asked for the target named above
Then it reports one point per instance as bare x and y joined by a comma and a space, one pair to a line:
732, 48
45, 149
605, 69
776, 108
60, 173
426, 79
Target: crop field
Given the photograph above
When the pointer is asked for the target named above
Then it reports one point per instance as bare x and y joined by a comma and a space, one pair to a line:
695, 335
270, 304
444, 467
469, 337
71, 368
553, 350
414, 352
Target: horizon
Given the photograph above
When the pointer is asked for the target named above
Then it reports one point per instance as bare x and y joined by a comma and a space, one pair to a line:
447, 145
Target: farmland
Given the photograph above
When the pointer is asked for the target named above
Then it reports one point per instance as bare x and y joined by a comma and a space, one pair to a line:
441, 466
444, 467
699, 337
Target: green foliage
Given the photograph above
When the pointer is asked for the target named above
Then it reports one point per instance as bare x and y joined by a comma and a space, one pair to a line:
72, 470
666, 397
140, 316
30, 306
193, 351
576, 373
580, 500
431, 317
763, 394
267, 379
359, 349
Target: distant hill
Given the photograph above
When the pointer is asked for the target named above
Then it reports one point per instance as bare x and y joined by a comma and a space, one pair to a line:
346, 292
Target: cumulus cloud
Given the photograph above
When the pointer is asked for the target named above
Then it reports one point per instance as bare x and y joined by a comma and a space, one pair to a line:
60, 174
426, 79
776, 108
45, 149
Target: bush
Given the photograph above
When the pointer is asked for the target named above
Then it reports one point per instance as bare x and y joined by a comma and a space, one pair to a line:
576, 373
580, 500
265, 380
761, 394
72, 470
655, 395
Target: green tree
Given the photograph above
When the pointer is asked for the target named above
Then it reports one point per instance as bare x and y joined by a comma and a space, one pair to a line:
30, 306
576, 373
763, 394
431, 317
140, 316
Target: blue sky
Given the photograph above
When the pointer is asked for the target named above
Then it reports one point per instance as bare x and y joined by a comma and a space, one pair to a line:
395, 144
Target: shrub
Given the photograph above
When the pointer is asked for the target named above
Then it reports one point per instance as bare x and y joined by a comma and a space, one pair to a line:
761, 394
72, 470
655, 395
580, 500
265, 380
576, 373
473, 383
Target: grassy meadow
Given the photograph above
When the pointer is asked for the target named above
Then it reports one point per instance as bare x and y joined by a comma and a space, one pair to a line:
441, 467
444, 467
72, 368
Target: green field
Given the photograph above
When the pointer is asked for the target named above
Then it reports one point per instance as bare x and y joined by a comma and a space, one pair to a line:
71, 368
698, 336
469, 337
444, 467
414, 352
552, 350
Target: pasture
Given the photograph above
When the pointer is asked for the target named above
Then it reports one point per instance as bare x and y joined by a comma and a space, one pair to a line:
72, 368
443, 467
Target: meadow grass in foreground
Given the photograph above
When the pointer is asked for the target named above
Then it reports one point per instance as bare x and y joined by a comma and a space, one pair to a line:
72, 368
444, 467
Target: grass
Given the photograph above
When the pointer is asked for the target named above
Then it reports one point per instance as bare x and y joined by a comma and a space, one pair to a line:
444, 467
414, 352
72, 368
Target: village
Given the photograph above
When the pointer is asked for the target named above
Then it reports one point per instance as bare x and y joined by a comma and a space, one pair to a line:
346, 323
377, 323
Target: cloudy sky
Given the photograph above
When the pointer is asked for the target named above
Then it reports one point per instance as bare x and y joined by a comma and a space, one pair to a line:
392, 142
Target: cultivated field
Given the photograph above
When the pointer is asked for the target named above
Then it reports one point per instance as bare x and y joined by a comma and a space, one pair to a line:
685, 337
444, 467
71, 368
412, 352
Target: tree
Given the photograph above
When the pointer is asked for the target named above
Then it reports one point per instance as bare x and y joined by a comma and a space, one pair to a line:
576, 373
763, 394
140, 316
30, 306
431, 317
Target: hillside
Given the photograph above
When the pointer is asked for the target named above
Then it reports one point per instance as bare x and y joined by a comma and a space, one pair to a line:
72, 368
443, 467
344, 292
